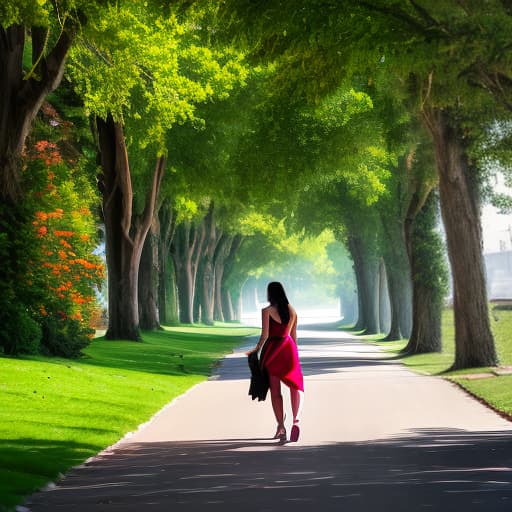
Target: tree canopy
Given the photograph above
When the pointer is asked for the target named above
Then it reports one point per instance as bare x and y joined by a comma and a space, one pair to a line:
232, 140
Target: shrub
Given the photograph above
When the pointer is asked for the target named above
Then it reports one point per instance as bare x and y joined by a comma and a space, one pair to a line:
64, 337
20, 333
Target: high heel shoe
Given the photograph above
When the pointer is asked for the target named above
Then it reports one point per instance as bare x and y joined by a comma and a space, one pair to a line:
280, 434
295, 432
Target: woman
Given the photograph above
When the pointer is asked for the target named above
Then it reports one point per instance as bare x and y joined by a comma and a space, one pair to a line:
280, 358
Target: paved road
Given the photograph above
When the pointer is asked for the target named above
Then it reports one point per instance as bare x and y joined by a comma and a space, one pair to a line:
374, 436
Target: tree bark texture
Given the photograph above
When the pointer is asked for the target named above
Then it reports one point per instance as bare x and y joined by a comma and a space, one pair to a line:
185, 250
125, 234
220, 256
399, 280
206, 276
460, 209
22, 96
226, 285
148, 280
227, 305
426, 271
366, 269
167, 304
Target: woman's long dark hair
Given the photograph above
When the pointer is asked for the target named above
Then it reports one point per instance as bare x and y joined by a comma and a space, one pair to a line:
277, 297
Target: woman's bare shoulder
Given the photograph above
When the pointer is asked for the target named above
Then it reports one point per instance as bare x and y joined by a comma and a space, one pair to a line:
266, 311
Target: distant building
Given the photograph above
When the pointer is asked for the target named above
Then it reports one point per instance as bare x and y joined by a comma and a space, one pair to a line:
499, 274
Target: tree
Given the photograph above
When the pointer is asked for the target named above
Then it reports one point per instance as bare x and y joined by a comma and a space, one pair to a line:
51, 276
430, 277
45, 31
167, 294
186, 250
441, 92
138, 84
415, 41
345, 281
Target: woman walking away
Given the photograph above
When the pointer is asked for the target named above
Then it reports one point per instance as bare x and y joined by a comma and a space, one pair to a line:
279, 357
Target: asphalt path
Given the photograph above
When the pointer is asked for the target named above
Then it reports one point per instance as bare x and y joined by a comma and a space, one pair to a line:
374, 436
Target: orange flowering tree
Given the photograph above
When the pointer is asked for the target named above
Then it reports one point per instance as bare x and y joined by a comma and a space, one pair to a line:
65, 272
47, 243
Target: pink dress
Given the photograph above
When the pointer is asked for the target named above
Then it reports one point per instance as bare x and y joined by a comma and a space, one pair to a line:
280, 356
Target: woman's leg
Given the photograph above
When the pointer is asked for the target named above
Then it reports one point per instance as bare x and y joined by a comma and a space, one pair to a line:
296, 400
277, 399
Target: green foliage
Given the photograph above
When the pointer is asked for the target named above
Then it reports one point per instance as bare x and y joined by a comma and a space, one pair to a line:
64, 337
429, 250
136, 66
25, 11
150, 71
16, 294
20, 334
270, 252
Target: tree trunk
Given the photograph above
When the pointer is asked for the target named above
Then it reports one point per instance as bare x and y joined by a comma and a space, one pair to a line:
172, 308
185, 292
227, 306
167, 305
21, 96
185, 249
198, 292
460, 209
148, 280
125, 235
428, 275
395, 303
399, 279
239, 305
167, 293
385, 321
226, 284
366, 268
195, 260
183, 267
237, 298
219, 259
206, 276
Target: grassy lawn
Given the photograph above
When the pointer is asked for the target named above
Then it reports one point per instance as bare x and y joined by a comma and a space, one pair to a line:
497, 391
55, 413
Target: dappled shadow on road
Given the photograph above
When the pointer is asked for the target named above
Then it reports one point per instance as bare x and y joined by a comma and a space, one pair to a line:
433, 470
318, 356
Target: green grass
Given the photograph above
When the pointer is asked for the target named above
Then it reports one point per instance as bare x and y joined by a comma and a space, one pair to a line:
55, 413
496, 391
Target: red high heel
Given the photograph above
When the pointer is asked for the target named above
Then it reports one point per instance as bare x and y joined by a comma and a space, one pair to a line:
295, 432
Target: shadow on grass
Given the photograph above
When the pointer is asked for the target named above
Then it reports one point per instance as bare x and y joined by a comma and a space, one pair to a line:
441, 469
32, 463
232, 326
339, 325
164, 352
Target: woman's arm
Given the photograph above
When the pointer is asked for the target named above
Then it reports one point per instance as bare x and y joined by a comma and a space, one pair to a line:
293, 330
264, 330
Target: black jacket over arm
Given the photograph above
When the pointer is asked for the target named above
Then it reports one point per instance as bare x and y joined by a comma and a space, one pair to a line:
259, 378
